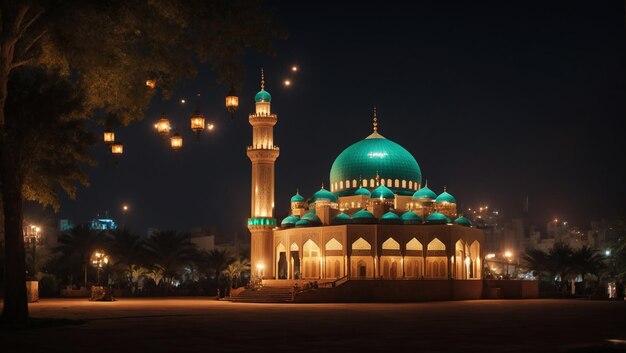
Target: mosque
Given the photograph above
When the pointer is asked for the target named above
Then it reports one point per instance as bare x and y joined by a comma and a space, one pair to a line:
376, 219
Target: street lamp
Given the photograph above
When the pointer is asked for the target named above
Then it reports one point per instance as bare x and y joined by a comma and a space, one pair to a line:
176, 141
117, 149
109, 136
508, 256
232, 102
99, 260
163, 126
197, 123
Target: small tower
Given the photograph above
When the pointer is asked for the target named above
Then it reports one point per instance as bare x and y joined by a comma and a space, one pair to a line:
263, 154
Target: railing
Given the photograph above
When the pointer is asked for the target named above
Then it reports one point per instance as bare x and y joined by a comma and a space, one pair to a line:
335, 283
264, 147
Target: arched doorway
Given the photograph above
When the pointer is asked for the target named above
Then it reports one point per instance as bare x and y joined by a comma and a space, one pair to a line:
436, 259
361, 259
333, 258
281, 263
295, 261
312, 260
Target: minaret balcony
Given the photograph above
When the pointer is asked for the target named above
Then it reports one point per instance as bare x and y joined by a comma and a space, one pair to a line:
267, 154
263, 119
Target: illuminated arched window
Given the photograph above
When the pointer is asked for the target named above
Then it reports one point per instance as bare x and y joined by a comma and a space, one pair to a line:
414, 244
396, 183
403, 183
341, 185
361, 244
353, 183
333, 244
410, 184
364, 183
389, 182
372, 183
391, 244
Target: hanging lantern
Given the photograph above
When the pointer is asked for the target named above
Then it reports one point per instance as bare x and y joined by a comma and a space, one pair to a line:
163, 125
232, 102
117, 149
197, 122
151, 83
109, 136
176, 141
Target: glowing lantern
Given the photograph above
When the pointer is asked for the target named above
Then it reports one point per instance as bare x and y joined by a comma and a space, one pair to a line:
117, 149
197, 122
109, 136
232, 102
176, 141
163, 126
151, 83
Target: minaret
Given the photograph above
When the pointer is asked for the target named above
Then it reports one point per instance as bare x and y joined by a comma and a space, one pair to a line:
262, 154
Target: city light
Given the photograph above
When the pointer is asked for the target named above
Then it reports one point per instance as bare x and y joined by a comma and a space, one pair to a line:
125, 208
294, 68
287, 83
210, 126
490, 256
183, 101
151, 83
508, 254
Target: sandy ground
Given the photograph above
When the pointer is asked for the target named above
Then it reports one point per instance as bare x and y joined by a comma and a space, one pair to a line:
205, 325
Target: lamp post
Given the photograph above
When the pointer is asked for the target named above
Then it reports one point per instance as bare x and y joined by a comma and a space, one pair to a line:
508, 255
99, 260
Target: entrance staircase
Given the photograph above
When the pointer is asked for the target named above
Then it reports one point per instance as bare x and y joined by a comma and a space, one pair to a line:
265, 295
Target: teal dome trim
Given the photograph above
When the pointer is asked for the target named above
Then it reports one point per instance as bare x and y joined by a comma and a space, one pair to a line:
462, 221
342, 218
303, 223
312, 217
297, 198
410, 217
425, 193
383, 191
390, 218
324, 194
290, 220
445, 197
364, 217
437, 218
373, 155
263, 96
363, 191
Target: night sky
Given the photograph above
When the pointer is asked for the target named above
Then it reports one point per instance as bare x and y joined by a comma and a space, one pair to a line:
497, 101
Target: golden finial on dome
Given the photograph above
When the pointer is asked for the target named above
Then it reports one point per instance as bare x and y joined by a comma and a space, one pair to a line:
377, 176
375, 120
262, 80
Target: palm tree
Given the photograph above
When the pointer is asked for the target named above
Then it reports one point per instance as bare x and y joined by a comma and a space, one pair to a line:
587, 261
76, 246
536, 261
560, 261
168, 253
234, 270
128, 253
218, 260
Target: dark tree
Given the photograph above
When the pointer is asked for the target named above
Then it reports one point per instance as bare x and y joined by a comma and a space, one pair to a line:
169, 252
109, 49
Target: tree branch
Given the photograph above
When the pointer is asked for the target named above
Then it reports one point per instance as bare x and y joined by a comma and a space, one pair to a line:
33, 42
20, 63
29, 23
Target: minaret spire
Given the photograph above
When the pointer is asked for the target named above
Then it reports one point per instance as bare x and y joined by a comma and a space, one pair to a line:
375, 122
262, 80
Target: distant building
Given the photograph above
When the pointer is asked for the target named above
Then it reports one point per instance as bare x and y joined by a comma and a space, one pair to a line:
102, 224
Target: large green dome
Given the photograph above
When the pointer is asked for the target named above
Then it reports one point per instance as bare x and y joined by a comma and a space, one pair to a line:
373, 155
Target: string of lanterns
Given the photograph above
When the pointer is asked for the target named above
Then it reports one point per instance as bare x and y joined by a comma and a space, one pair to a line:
164, 127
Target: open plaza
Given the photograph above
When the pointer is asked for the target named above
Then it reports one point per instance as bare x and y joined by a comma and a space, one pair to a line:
208, 325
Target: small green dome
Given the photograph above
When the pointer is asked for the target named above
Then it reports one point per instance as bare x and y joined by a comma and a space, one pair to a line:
324, 194
445, 197
363, 216
263, 96
390, 218
371, 156
303, 223
437, 218
297, 198
289, 221
425, 193
341, 218
410, 217
383, 191
312, 217
363, 191
462, 221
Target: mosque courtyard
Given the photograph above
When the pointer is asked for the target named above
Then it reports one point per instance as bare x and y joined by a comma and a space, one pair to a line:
206, 325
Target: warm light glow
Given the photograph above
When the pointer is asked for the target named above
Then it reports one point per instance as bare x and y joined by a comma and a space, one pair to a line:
176, 141
163, 126
183, 101
151, 83
607, 253
490, 256
232, 101
117, 149
197, 122
467, 261
125, 207
294, 68
287, 83
109, 136
210, 126
508, 254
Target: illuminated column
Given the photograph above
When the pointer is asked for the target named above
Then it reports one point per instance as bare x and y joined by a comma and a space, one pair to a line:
263, 154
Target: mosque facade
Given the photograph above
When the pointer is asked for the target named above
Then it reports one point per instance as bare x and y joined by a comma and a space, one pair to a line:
376, 219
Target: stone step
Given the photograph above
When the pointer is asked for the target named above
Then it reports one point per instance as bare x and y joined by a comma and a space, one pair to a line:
265, 295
